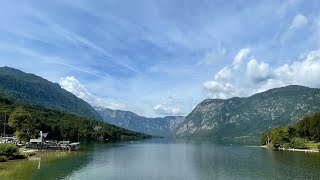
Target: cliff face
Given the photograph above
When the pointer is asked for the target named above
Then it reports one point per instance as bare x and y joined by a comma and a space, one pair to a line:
249, 117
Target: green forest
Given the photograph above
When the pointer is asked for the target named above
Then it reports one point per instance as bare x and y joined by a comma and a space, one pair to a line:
304, 134
25, 121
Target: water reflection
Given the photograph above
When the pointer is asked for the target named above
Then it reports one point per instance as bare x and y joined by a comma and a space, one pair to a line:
166, 159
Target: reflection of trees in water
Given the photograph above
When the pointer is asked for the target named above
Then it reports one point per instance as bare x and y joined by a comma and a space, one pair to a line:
57, 165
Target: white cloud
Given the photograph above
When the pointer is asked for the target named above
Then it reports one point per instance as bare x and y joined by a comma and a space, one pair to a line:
72, 85
219, 89
298, 21
168, 108
260, 76
224, 74
238, 59
113, 105
258, 72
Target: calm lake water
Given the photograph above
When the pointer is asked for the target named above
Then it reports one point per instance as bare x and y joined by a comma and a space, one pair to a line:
165, 159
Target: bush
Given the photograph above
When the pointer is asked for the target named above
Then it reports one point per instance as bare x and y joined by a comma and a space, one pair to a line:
26, 154
8, 150
11, 158
3, 159
19, 156
318, 146
286, 145
299, 143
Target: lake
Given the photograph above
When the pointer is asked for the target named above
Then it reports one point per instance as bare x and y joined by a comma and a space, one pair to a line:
165, 159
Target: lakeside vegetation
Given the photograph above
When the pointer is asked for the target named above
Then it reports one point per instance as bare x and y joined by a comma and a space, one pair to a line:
11, 151
25, 121
304, 134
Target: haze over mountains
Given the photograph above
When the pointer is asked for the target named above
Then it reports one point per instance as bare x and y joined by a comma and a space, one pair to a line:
234, 118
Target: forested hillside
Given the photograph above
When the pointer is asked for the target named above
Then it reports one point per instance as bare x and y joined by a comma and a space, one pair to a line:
26, 121
24, 87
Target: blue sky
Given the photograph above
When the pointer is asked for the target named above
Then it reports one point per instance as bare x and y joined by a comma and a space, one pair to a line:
160, 58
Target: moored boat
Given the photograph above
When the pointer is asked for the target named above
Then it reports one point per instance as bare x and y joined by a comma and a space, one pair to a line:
74, 146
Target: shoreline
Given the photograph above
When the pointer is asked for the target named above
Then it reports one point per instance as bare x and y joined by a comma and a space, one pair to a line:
293, 150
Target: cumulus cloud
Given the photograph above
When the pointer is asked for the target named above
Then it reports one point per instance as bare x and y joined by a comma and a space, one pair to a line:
72, 85
220, 89
260, 76
258, 72
169, 108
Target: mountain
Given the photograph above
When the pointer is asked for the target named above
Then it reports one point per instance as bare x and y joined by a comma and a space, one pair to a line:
32, 89
60, 125
246, 118
129, 120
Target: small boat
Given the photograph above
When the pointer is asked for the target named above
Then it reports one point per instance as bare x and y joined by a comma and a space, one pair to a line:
74, 146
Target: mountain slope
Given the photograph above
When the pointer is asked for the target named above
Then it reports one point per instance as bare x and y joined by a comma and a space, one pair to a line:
35, 90
60, 125
129, 120
249, 117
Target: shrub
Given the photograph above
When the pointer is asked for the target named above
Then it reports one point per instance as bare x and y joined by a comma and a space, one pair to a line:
299, 143
8, 149
26, 154
3, 159
286, 145
318, 146
19, 156
10, 158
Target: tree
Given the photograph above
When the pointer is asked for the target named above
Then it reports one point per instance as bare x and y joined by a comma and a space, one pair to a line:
315, 127
265, 138
303, 127
292, 132
20, 119
279, 136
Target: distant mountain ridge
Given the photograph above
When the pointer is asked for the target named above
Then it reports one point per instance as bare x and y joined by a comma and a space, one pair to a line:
129, 120
248, 117
32, 89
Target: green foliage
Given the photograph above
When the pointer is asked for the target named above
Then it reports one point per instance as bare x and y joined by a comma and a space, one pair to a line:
286, 145
298, 143
279, 136
32, 89
318, 146
60, 125
8, 150
292, 132
298, 135
264, 138
21, 120
3, 159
